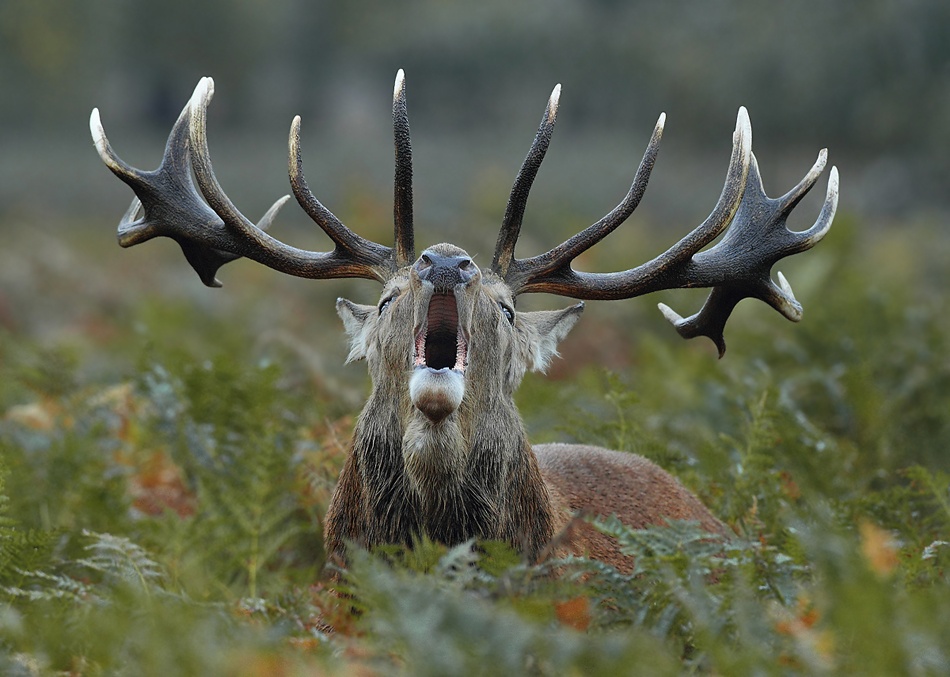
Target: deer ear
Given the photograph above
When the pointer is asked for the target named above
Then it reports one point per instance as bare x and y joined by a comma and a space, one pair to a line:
545, 329
356, 325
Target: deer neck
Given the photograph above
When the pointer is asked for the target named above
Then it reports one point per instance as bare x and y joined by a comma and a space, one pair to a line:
452, 480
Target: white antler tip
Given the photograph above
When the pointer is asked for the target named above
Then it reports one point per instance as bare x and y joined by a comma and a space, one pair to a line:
817, 168
95, 128
786, 287
203, 91
553, 102
661, 121
671, 315
743, 124
400, 85
99, 138
271, 213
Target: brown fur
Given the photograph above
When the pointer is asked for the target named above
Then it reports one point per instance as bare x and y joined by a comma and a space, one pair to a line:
603, 482
470, 472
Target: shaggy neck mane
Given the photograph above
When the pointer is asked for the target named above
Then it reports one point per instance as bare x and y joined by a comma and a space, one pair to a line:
444, 481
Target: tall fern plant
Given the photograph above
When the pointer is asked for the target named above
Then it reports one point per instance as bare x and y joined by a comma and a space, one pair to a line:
24, 553
233, 432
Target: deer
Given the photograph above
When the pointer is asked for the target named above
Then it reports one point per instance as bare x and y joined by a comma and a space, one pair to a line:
439, 449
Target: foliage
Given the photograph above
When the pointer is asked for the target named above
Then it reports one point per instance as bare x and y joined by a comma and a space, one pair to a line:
160, 509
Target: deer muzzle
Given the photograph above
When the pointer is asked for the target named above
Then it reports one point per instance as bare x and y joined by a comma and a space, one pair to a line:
437, 384
446, 280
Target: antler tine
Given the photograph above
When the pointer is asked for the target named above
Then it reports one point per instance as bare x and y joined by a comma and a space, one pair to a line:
130, 175
402, 183
809, 238
729, 200
761, 221
562, 255
795, 195
234, 220
166, 202
514, 212
552, 272
353, 256
135, 227
345, 239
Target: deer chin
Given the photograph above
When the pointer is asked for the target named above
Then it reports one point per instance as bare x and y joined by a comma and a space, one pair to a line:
436, 393
437, 384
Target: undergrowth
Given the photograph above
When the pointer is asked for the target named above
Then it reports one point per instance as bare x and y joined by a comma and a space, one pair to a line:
168, 522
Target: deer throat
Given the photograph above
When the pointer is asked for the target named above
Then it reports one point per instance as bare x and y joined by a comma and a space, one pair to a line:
437, 384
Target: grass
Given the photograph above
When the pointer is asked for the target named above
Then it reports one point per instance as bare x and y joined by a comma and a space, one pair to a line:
167, 456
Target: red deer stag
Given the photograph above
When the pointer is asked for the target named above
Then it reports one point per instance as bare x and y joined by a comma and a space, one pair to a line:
439, 448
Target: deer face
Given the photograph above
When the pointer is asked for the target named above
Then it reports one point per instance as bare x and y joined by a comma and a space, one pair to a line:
445, 332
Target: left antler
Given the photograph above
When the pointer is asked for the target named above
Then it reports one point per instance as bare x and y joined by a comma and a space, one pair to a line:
212, 231
752, 224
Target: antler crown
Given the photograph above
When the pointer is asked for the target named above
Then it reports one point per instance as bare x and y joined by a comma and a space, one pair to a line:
212, 231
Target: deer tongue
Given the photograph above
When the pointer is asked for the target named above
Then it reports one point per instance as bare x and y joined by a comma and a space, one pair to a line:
440, 344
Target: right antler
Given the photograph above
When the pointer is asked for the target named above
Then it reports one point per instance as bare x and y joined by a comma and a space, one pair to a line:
752, 225
168, 204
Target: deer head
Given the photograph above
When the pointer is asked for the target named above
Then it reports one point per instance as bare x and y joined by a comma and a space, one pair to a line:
439, 446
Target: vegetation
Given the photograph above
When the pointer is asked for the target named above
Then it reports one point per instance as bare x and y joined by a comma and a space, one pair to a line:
162, 484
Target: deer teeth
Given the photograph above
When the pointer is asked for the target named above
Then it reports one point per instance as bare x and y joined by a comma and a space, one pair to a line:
420, 360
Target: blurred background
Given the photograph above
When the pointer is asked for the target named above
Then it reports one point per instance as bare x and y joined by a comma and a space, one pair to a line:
868, 79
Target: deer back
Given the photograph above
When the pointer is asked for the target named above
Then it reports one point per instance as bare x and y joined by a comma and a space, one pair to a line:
583, 479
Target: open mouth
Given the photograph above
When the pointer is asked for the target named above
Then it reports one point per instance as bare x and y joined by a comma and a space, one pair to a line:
440, 343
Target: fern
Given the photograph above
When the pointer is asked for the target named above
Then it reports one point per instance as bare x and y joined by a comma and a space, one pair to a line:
238, 456
439, 624
23, 552
121, 561
828, 456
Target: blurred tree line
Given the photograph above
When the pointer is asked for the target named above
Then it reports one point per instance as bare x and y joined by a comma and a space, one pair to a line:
869, 78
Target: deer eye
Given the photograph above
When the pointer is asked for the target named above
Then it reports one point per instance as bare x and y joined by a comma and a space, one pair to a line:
385, 302
507, 312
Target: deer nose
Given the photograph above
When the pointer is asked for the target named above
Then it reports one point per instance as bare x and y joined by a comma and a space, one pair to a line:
444, 272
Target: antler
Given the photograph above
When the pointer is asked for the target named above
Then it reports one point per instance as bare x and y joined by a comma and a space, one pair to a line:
736, 267
168, 204
402, 184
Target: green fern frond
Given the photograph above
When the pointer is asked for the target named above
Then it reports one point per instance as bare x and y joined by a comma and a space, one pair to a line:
119, 560
23, 552
48, 587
